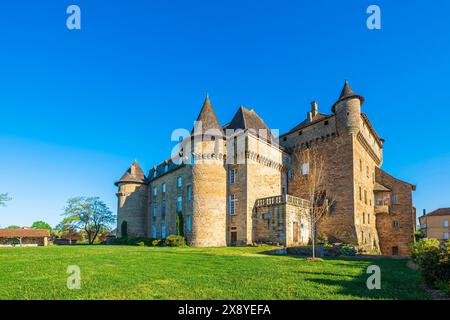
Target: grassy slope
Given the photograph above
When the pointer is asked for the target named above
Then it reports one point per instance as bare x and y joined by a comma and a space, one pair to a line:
120, 272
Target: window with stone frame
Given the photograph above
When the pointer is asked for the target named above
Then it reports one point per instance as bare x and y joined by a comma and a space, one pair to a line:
154, 208
189, 223
189, 193
179, 182
163, 231
395, 224
232, 204
394, 199
232, 175
164, 188
179, 204
305, 169
155, 191
163, 211
154, 231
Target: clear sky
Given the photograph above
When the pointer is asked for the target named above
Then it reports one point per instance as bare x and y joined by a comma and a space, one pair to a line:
77, 107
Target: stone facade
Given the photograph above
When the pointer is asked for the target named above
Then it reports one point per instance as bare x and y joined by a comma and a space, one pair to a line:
228, 176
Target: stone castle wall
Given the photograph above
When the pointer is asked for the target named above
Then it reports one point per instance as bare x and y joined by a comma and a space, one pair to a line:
132, 208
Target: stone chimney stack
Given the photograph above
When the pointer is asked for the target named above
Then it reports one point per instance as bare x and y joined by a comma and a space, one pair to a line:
310, 116
314, 108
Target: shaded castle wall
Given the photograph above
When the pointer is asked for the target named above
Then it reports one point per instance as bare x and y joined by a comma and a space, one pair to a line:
132, 208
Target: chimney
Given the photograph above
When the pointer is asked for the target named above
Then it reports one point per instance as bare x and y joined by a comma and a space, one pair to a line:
424, 212
314, 108
310, 117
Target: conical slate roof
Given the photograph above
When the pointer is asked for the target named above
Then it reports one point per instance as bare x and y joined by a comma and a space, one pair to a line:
133, 174
249, 119
347, 93
208, 118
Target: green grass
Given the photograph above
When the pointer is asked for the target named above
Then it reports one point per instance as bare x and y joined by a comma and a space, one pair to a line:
121, 272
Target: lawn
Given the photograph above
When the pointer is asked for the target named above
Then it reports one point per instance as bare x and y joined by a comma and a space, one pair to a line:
125, 272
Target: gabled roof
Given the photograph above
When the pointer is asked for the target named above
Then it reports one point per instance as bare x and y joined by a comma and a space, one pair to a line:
439, 212
347, 93
317, 118
133, 174
208, 118
24, 233
248, 119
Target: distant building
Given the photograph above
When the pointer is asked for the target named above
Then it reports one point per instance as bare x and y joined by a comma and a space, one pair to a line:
436, 224
259, 198
24, 237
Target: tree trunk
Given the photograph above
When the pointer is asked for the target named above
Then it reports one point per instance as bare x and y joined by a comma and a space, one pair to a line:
313, 237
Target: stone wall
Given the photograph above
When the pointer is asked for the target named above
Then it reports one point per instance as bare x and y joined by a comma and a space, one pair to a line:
132, 208
397, 226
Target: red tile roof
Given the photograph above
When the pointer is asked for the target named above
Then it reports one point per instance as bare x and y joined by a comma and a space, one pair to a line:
440, 212
23, 233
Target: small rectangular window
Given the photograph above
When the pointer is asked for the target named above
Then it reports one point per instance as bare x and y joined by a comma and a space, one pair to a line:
232, 204
395, 224
445, 235
364, 218
291, 174
154, 232
326, 122
189, 223
446, 223
300, 133
154, 211
394, 199
166, 168
179, 204
232, 174
155, 191
163, 211
365, 196
179, 182
164, 188
305, 169
163, 231
189, 193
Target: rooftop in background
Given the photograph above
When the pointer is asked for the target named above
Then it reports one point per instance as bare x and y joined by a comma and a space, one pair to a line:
24, 233
438, 212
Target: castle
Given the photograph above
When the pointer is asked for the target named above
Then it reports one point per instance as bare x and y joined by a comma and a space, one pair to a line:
238, 184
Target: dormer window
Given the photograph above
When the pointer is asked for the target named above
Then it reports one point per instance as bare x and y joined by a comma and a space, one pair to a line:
166, 168
155, 174
326, 122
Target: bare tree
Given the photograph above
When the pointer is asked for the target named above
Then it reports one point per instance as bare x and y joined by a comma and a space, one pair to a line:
4, 197
310, 179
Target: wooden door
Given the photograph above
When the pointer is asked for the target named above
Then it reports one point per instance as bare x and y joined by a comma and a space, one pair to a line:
233, 238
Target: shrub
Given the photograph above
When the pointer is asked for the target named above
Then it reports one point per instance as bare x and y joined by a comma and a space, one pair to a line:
175, 241
141, 244
424, 247
346, 250
157, 242
433, 262
322, 238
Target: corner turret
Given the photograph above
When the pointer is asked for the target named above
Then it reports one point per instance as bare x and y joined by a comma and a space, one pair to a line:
348, 109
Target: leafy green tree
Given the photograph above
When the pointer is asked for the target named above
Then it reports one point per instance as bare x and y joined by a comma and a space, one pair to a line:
13, 227
4, 197
41, 225
88, 214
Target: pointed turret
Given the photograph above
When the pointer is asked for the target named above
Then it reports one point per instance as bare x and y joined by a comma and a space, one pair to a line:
134, 175
346, 94
206, 119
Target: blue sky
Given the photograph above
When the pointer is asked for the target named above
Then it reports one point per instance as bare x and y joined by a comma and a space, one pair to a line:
77, 107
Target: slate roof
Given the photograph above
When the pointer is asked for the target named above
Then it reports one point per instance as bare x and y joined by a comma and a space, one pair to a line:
317, 118
347, 93
24, 233
137, 176
208, 117
249, 119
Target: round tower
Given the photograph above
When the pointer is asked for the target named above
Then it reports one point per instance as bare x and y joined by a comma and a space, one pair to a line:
132, 202
209, 186
348, 110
